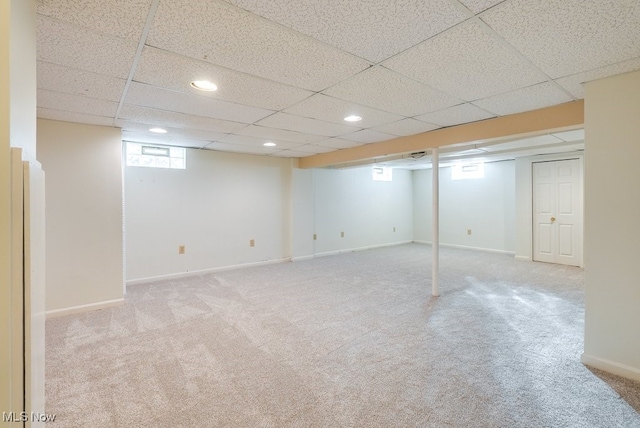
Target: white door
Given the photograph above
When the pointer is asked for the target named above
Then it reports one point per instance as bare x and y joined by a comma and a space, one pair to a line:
557, 212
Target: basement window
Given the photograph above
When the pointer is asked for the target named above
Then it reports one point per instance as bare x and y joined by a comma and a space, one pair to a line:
382, 174
465, 171
152, 156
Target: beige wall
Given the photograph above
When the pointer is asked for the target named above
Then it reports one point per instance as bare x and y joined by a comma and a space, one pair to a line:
612, 224
17, 129
83, 214
23, 76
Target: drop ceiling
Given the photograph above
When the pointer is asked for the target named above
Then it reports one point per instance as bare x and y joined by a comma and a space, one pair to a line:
289, 71
567, 143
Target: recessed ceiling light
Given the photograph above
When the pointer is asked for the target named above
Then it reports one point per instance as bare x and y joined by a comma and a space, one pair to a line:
269, 144
353, 118
204, 85
158, 130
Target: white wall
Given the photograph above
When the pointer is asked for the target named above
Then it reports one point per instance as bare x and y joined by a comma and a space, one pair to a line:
612, 224
213, 208
486, 206
84, 248
303, 218
349, 201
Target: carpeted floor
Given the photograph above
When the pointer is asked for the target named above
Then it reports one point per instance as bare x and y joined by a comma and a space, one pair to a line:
353, 340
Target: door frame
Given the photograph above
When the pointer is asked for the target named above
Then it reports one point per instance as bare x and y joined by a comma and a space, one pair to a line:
579, 257
524, 200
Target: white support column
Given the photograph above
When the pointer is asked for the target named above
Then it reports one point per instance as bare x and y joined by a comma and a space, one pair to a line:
436, 222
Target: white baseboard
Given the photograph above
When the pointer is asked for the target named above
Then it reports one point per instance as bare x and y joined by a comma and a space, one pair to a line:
301, 258
611, 367
84, 308
368, 247
525, 258
465, 247
486, 250
203, 271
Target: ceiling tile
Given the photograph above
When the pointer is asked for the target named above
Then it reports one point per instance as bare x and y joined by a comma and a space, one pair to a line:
121, 18
367, 136
559, 148
291, 154
335, 110
59, 78
76, 103
180, 102
406, 127
574, 83
338, 143
466, 62
173, 133
75, 47
162, 140
239, 148
576, 135
176, 72
477, 6
304, 124
463, 113
386, 90
540, 140
231, 37
565, 37
531, 98
176, 120
313, 149
279, 134
65, 116
255, 142
348, 25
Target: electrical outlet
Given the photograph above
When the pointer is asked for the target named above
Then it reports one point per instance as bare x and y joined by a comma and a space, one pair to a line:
181, 249
315, 236
342, 234
252, 243
468, 231
394, 228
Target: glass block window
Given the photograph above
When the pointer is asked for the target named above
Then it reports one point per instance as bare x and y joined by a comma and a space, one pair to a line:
150, 156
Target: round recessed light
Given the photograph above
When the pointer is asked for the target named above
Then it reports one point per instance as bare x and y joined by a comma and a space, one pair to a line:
269, 144
353, 118
158, 130
204, 85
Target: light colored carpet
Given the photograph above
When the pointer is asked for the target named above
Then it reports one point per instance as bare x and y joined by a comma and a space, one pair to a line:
353, 340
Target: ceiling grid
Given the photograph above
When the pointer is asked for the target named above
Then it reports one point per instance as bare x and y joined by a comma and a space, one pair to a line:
290, 71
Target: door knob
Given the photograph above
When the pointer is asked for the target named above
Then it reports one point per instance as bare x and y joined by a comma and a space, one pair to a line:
553, 219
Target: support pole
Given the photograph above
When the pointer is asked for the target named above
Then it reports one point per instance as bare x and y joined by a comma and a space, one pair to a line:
435, 246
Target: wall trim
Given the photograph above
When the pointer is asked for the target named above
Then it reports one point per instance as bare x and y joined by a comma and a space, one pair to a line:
204, 271
465, 247
84, 308
611, 367
525, 258
367, 247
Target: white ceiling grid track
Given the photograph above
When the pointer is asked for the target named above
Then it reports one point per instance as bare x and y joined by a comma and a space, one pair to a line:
290, 71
